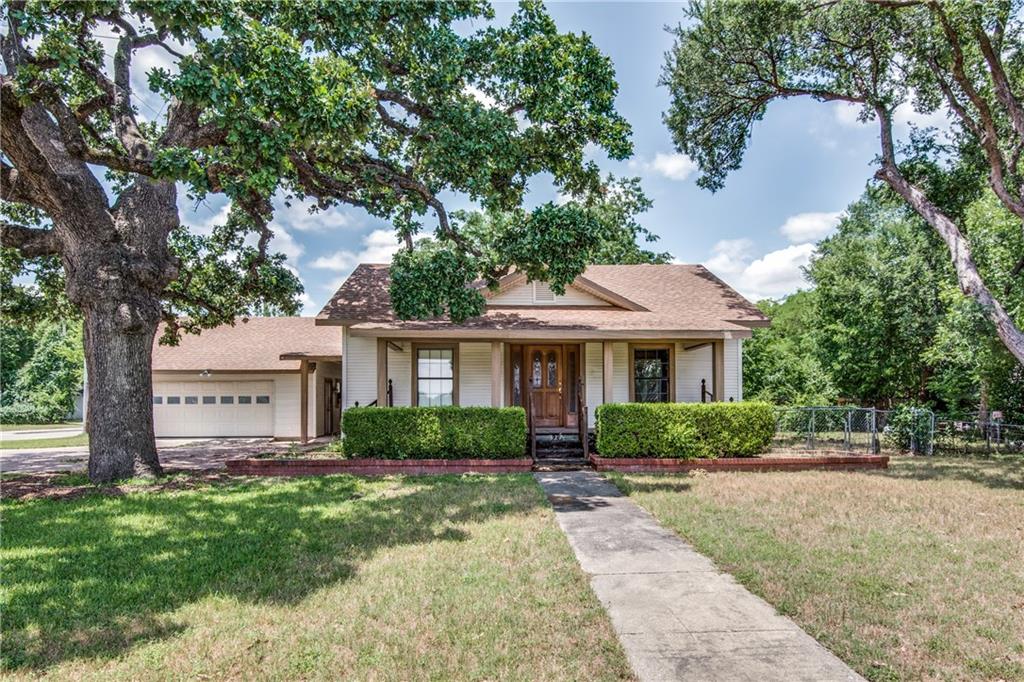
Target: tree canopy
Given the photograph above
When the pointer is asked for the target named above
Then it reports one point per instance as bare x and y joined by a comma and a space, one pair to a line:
963, 57
387, 106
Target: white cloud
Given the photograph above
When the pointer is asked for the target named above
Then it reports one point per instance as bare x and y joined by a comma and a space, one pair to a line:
298, 216
672, 166
378, 247
847, 115
773, 275
202, 219
480, 96
809, 227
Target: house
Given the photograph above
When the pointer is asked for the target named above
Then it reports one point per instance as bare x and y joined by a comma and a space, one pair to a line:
619, 333
264, 376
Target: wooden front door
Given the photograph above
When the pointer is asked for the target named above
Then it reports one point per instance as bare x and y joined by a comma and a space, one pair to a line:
544, 381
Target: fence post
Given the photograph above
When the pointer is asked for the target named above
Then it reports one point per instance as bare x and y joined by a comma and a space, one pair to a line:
810, 433
873, 431
846, 435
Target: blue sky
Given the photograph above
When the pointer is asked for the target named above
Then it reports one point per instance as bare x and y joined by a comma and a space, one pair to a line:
806, 162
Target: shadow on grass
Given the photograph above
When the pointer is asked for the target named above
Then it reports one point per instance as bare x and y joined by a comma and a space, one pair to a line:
650, 483
1006, 472
92, 577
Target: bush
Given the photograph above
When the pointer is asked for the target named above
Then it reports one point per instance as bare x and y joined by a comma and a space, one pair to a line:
684, 429
435, 432
29, 413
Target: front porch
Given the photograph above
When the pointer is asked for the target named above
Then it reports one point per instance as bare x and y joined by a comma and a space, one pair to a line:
559, 381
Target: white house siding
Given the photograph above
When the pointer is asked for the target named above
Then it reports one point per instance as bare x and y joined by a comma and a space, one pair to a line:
475, 374
692, 366
733, 369
522, 295
400, 373
360, 369
594, 361
620, 372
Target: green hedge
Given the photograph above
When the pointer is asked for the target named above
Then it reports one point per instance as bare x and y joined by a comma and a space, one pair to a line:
684, 430
31, 413
435, 432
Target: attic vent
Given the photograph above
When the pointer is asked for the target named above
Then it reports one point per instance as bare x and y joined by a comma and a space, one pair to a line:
542, 293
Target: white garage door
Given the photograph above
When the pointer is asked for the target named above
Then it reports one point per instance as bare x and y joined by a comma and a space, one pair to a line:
186, 409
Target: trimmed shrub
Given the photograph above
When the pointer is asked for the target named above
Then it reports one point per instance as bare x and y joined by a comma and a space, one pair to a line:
31, 413
684, 430
435, 432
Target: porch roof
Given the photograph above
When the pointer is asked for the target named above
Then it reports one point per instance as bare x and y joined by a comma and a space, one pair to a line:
670, 300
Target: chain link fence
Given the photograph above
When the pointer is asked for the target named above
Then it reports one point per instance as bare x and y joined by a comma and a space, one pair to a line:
864, 430
852, 430
978, 437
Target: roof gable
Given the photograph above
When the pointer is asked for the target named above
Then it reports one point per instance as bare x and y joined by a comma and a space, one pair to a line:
517, 291
671, 298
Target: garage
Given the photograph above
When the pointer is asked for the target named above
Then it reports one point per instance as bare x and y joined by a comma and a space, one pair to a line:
261, 377
213, 409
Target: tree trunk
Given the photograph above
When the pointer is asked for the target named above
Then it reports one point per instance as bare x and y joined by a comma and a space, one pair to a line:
967, 274
120, 426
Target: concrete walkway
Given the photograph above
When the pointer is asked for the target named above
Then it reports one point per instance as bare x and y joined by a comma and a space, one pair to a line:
677, 616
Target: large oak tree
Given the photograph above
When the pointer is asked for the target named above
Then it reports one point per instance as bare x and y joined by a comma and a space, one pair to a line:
387, 106
961, 56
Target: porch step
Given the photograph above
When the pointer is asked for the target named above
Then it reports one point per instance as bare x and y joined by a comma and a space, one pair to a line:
561, 464
559, 453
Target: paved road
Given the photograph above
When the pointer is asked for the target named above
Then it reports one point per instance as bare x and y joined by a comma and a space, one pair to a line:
175, 453
678, 617
33, 434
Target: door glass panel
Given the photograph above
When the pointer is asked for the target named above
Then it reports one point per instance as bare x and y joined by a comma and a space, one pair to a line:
570, 371
535, 378
552, 370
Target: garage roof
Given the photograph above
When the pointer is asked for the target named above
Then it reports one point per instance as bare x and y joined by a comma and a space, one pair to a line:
253, 344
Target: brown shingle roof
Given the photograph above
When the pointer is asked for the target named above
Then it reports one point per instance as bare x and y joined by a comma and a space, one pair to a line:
675, 298
255, 345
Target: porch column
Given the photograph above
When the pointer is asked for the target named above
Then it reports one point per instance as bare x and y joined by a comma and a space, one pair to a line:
608, 373
718, 369
382, 372
497, 354
304, 400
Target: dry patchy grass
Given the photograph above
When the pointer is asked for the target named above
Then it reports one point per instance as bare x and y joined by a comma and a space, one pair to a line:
912, 573
318, 578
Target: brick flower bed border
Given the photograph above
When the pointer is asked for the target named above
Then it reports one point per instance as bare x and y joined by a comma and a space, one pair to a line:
374, 467
662, 465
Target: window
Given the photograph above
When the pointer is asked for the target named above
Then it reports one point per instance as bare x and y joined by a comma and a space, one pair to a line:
227, 400
209, 400
173, 400
245, 400
651, 375
435, 376
263, 400
191, 400
158, 400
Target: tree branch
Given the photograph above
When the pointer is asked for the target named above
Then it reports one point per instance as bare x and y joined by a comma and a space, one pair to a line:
29, 241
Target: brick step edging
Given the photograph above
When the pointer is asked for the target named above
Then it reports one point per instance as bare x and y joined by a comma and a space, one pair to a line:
374, 467
669, 465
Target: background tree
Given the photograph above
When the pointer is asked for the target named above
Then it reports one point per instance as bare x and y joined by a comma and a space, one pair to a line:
781, 362
962, 56
378, 105
877, 285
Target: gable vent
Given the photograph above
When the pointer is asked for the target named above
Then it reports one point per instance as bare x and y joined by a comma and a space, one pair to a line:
542, 293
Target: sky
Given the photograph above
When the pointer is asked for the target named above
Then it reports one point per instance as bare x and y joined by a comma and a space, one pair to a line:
805, 163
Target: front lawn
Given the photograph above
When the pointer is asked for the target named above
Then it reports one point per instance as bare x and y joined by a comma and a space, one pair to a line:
39, 443
912, 573
315, 578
